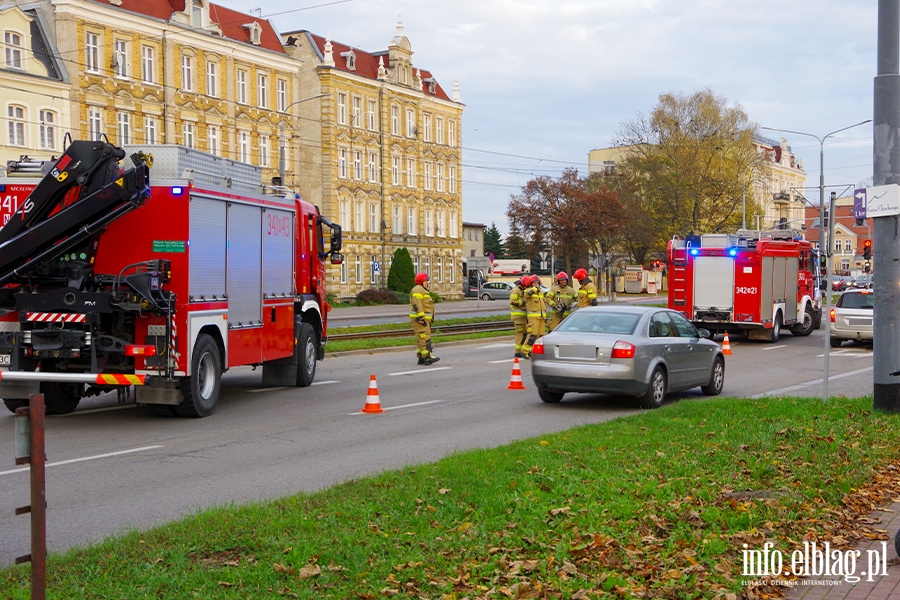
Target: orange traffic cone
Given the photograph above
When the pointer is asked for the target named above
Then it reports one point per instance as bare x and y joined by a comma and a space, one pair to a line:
373, 404
726, 345
515, 382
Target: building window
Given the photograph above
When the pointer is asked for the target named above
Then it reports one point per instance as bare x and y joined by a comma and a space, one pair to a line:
124, 120
16, 125
439, 172
149, 130
197, 13
411, 220
244, 146
452, 271
441, 232
342, 162
187, 132
452, 179
120, 58
187, 73
427, 176
148, 58
410, 123
395, 170
454, 227
847, 245
427, 126
357, 165
440, 269
262, 91
342, 109
242, 86
95, 123
415, 260
344, 272
373, 278
429, 230
395, 120
373, 167
264, 151
451, 133
411, 172
396, 220
48, 130
359, 221
212, 79
358, 268
212, 139
373, 218
439, 130
344, 215
357, 112
92, 53
370, 115
426, 265
13, 49
281, 95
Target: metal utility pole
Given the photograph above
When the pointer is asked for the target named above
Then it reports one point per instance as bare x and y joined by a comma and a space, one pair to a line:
886, 243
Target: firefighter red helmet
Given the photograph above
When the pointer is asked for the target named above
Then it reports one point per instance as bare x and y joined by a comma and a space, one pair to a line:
580, 274
526, 280
421, 278
535, 280
562, 275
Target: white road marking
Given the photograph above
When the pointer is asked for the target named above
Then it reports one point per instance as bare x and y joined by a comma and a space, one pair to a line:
505, 360
492, 346
775, 347
268, 389
325, 382
387, 408
847, 353
419, 371
95, 457
797, 388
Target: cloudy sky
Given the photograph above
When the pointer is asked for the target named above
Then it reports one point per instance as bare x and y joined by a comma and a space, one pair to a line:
546, 81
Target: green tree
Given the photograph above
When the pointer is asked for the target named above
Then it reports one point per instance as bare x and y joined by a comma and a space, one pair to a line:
691, 159
515, 246
493, 243
401, 277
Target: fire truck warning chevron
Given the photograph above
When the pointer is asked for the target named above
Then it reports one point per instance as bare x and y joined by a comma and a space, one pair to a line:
752, 282
107, 280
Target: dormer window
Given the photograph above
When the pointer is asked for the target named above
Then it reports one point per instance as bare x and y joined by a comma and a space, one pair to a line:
255, 32
431, 84
350, 57
198, 11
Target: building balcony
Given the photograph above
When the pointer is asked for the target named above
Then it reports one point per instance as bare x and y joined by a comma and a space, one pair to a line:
781, 198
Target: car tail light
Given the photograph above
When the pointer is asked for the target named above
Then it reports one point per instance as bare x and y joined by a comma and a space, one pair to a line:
623, 350
538, 347
832, 315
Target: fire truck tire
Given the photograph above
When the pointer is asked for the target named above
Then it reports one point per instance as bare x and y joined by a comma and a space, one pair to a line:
716, 379
201, 389
775, 332
806, 327
306, 355
656, 391
61, 398
13, 404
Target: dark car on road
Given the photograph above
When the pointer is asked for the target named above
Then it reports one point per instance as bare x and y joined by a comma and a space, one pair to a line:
639, 351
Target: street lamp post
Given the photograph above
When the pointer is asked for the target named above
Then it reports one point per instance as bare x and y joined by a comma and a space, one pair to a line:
281, 134
826, 315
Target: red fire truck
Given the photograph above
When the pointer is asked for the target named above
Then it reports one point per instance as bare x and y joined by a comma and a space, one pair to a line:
107, 281
752, 282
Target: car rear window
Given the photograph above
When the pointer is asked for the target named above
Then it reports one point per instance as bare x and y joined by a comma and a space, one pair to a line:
854, 300
605, 322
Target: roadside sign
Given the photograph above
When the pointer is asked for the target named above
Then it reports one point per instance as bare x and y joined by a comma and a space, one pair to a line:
375, 266
878, 201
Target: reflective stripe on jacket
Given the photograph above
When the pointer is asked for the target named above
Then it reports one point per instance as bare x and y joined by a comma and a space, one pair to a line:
421, 306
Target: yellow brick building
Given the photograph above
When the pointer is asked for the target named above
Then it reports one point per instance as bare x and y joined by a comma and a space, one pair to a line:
390, 162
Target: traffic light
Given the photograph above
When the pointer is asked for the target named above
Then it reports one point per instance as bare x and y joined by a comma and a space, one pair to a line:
867, 249
867, 267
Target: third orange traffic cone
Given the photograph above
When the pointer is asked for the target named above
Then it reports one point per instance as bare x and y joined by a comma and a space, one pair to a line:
726, 345
515, 382
373, 403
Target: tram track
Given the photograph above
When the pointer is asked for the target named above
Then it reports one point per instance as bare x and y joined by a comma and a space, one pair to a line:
437, 330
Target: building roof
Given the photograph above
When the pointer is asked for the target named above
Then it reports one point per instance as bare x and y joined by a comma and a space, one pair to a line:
367, 62
231, 22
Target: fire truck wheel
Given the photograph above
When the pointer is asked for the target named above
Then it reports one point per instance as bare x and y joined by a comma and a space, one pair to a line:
716, 379
306, 355
806, 327
12, 405
656, 391
201, 389
775, 332
61, 398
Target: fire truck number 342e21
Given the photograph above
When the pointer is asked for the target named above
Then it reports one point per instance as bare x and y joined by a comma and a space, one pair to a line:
746, 290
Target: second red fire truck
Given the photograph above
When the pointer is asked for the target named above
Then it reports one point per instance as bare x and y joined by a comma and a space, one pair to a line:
758, 283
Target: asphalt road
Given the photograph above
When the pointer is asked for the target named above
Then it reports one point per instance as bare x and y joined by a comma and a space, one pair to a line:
114, 467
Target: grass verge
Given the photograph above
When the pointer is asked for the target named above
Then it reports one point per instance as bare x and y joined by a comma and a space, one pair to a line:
347, 345
659, 504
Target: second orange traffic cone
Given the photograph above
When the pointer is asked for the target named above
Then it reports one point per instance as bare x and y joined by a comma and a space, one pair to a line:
726, 345
515, 382
373, 403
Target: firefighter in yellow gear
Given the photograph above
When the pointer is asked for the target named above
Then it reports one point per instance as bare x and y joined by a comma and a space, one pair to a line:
587, 291
536, 311
517, 313
560, 300
421, 316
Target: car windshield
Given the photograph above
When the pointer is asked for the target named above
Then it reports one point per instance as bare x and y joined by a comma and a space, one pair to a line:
600, 322
857, 301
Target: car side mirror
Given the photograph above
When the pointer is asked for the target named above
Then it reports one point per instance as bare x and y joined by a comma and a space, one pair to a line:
337, 258
704, 333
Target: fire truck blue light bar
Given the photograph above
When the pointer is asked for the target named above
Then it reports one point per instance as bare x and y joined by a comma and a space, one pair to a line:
177, 190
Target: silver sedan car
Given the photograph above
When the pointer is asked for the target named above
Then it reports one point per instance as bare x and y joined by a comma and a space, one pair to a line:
851, 317
638, 351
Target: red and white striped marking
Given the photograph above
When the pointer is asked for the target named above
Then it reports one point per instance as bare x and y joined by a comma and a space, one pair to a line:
56, 317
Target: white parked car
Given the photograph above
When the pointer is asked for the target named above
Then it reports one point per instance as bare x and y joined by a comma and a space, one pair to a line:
851, 317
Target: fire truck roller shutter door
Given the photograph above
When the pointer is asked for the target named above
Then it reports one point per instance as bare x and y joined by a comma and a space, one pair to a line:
244, 269
278, 253
207, 249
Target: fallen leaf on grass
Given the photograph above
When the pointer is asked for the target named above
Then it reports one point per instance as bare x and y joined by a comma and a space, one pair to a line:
308, 571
